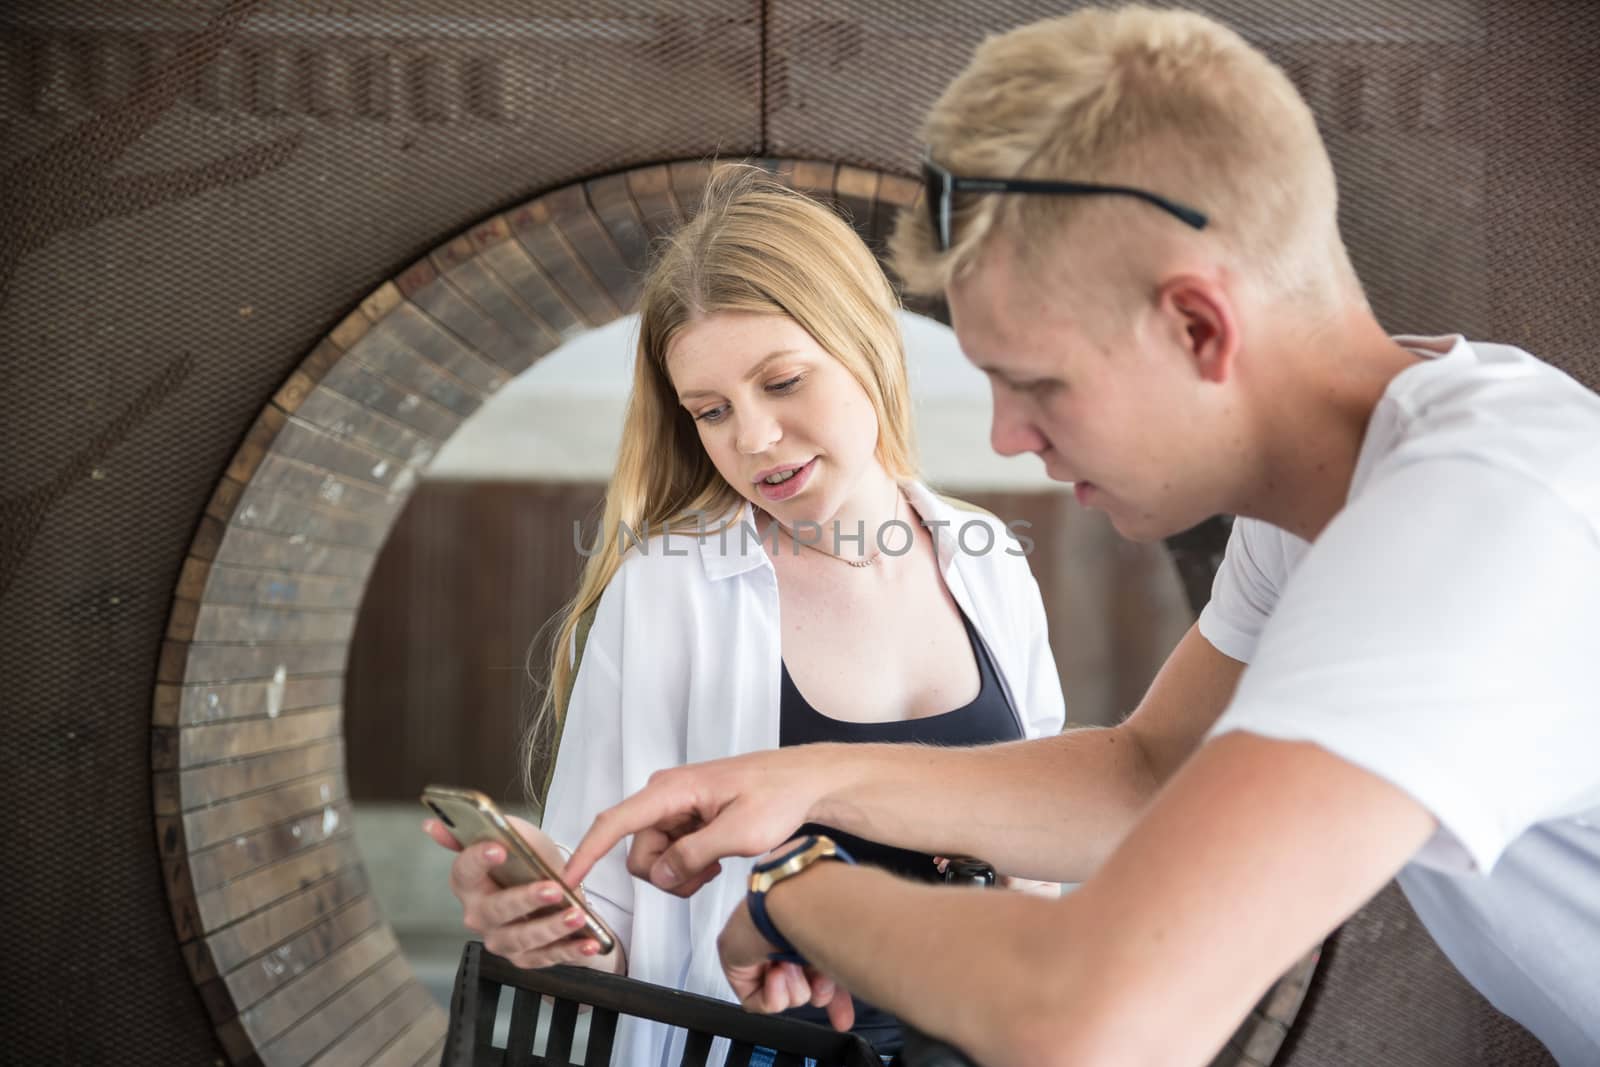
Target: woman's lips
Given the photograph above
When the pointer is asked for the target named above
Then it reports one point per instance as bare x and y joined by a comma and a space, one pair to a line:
785, 490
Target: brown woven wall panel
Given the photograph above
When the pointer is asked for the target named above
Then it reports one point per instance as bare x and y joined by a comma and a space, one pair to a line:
199, 194
1384, 993
189, 210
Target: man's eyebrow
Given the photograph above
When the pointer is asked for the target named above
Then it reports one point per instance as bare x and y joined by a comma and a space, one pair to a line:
1014, 381
755, 372
995, 372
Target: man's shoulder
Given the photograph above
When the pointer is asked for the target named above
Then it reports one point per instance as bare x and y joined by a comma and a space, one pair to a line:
1269, 550
1506, 410
1495, 392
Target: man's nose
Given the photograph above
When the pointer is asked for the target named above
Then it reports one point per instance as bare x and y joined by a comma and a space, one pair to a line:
1010, 432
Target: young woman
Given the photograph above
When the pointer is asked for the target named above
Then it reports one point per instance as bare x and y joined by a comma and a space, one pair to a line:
769, 572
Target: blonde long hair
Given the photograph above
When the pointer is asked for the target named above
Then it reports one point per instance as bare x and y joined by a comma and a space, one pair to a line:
754, 246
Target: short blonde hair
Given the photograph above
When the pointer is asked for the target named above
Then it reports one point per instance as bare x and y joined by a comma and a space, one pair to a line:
1168, 101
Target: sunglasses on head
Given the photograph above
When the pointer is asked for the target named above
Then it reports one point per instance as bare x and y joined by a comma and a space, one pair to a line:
939, 186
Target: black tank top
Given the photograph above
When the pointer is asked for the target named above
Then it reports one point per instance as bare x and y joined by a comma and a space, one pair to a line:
987, 719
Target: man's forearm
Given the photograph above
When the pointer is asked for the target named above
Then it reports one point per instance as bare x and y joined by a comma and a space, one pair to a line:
1256, 849
1049, 809
986, 970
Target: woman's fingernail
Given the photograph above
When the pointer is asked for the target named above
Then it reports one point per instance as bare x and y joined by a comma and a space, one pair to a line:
494, 855
573, 918
664, 876
552, 895
589, 948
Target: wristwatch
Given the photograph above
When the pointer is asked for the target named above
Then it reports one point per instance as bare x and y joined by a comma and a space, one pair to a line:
763, 876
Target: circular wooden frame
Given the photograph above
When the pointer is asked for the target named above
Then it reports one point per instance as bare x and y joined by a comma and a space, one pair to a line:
253, 821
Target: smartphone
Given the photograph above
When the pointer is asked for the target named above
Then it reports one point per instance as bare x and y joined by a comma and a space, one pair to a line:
471, 817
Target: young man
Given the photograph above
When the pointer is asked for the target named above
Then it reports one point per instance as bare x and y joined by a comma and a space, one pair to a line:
1414, 583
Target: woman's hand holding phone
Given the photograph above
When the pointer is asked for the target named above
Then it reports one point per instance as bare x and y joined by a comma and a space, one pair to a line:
523, 923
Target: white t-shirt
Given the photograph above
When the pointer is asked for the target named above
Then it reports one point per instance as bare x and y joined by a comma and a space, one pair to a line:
1443, 633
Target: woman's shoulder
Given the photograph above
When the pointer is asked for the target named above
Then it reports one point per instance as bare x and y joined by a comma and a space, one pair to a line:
676, 555
671, 564
655, 586
662, 557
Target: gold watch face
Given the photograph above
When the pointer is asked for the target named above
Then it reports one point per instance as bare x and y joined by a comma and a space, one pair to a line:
821, 848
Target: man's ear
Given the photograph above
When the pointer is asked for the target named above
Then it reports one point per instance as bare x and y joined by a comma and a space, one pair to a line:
1202, 314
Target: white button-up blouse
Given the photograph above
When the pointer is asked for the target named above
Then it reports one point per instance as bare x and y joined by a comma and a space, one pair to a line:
682, 664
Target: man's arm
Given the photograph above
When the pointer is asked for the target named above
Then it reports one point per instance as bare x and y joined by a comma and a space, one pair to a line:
1255, 851
1049, 809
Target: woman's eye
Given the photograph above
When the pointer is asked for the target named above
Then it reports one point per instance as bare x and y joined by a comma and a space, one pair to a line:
785, 386
712, 414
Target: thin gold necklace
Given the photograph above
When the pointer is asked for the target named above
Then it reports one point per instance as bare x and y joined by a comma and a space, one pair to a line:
846, 560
